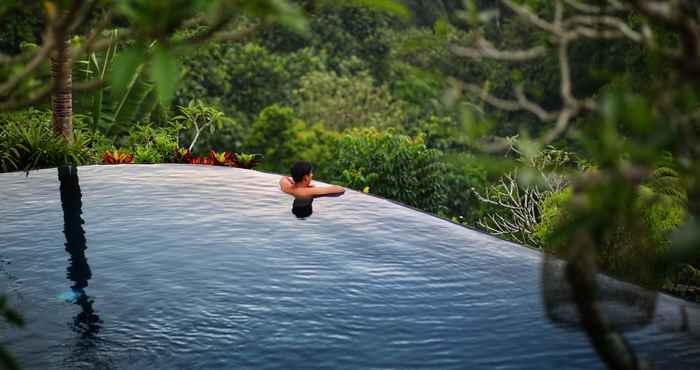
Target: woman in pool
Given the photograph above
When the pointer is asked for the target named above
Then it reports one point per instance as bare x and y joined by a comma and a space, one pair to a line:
299, 185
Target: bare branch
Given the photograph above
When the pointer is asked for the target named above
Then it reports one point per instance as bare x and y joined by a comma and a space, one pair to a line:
530, 16
533, 108
88, 85
561, 126
590, 26
565, 74
91, 39
486, 50
588, 8
231, 37
78, 18
38, 96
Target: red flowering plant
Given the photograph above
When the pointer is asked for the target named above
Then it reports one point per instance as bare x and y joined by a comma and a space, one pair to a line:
246, 160
221, 158
182, 155
201, 160
117, 157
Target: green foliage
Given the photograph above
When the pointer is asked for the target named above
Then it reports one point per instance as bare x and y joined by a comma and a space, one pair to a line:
551, 210
660, 216
130, 97
443, 133
421, 90
279, 136
244, 79
663, 214
158, 19
391, 165
341, 102
152, 144
147, 154
27, 142
246, 160
465, 174
199, 116
20, 25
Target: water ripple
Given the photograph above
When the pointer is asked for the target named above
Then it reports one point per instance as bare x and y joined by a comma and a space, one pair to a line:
206, 268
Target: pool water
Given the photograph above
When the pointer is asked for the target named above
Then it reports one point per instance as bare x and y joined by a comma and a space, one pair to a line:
199, 267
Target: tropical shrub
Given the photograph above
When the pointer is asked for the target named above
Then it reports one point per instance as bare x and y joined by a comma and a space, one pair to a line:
182, 155
199, 116
341, 102
551, 210
443, 132
391, 165
629, 248
113, 109
516, 197
117, 156
147, 154
154, 142
465, 177
31, 144
279, 136
222, 158
246, 160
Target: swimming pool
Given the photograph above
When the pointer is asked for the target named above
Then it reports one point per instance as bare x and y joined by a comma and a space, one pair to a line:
198, 267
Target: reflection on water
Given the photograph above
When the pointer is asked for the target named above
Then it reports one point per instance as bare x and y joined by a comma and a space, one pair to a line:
302, 208
87, 322
627, 307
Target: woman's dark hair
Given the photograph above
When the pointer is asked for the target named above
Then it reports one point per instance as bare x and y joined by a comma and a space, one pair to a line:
301, 169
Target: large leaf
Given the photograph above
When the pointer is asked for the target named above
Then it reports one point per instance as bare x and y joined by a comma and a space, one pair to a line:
165, 73
124, 68
130, 106
114, 109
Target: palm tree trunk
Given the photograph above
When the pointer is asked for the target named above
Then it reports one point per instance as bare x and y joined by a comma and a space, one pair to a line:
62, 96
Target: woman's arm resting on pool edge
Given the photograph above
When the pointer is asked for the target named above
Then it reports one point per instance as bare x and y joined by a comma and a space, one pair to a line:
286, 184
325, 190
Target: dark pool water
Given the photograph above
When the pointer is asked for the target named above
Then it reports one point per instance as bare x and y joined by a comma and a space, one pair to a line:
189, 267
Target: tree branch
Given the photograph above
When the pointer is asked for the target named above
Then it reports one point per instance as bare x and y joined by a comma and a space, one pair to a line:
36, 61
486, 50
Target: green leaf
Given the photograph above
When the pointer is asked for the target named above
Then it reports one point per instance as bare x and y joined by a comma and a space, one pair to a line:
124, 67
442, 28
165, 73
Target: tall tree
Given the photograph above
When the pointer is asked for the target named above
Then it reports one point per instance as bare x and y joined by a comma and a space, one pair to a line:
62, 95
